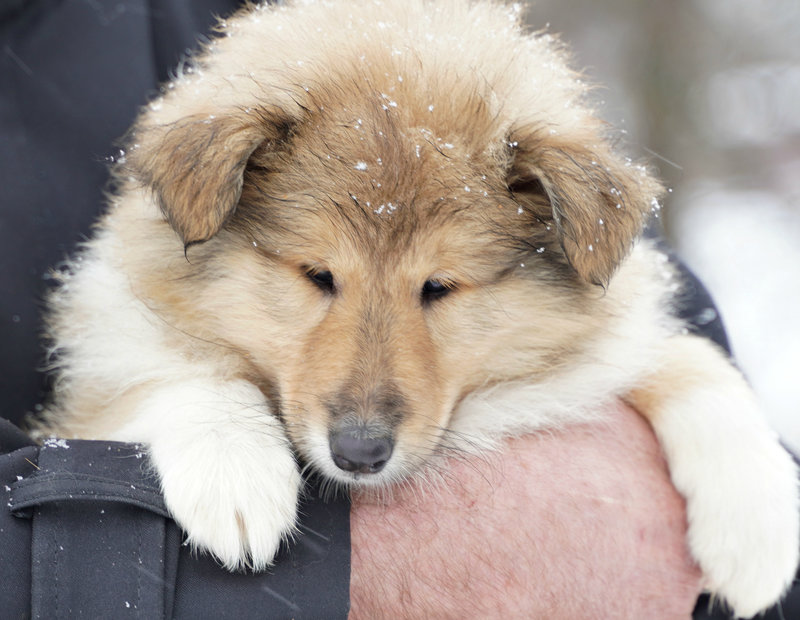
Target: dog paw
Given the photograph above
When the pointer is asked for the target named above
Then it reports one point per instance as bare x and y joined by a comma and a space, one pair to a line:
744, 517
237, 504
227, 470
740, 485
746, 542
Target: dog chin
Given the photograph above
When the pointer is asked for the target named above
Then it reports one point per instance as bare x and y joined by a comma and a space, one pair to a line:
357, 481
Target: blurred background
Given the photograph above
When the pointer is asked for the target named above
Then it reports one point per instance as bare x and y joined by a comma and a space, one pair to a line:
709, 92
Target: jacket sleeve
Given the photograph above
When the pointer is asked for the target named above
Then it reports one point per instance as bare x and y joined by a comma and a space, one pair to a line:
84, 533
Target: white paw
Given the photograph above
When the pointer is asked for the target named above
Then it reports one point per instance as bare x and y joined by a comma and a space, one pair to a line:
740, 485
236, 502
741, 491
744, 536
227, 470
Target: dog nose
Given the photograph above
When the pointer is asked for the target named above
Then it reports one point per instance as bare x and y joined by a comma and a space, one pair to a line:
353, 450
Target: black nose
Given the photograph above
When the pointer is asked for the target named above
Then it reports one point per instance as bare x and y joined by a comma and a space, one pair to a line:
354, 450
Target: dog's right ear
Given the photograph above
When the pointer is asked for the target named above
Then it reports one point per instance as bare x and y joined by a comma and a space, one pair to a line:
195, 166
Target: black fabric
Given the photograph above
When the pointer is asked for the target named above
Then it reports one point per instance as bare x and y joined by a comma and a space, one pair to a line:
80, 499
85, 534
311, 578
12, 438
78, 470
15, 534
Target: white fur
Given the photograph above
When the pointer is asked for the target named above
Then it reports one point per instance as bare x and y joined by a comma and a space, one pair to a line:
105, 318
741, 495
740, 485
612, 363
227, 470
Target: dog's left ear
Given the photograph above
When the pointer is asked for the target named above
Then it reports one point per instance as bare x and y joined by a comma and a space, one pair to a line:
195, 166
597, 200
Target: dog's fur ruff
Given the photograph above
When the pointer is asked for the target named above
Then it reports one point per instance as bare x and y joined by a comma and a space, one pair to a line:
401, 217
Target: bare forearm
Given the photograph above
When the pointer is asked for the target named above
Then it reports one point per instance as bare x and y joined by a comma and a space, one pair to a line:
582, 523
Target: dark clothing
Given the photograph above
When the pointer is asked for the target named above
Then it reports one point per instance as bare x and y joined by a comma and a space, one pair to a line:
84, 532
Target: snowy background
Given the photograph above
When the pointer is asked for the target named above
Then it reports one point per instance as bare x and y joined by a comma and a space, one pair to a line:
709, 92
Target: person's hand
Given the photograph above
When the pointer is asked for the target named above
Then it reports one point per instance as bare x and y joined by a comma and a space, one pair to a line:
581, 523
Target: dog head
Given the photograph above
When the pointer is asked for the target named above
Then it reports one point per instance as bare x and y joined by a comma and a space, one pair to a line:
390, 236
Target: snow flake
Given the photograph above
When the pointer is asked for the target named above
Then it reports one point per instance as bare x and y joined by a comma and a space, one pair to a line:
52, 442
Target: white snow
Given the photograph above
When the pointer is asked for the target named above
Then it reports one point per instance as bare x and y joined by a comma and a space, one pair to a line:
53, 442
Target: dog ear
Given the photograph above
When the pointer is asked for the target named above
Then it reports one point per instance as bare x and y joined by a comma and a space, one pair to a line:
195, 166
597, 200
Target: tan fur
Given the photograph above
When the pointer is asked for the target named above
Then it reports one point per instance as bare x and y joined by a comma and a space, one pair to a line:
398, 147
461, 192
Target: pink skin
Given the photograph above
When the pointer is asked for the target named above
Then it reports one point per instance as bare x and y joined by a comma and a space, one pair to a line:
582, 523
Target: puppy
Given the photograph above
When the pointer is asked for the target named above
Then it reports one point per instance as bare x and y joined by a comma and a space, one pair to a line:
367, 232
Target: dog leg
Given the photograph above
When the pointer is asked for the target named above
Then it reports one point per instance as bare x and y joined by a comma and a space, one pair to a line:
740, 485
227, 469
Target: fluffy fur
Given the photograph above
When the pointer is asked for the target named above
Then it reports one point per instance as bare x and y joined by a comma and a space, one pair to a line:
393, 222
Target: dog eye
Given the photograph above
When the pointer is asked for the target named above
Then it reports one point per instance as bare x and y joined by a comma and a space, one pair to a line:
322, 278
435, 289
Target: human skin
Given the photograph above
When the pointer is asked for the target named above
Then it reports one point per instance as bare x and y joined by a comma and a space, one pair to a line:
579, 523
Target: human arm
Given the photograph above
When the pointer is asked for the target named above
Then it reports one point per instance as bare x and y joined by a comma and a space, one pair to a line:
578, 523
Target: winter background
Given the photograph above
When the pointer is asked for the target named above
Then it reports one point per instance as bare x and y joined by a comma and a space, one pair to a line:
709, 92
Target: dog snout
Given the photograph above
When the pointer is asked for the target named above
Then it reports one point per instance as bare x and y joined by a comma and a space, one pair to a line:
355, 450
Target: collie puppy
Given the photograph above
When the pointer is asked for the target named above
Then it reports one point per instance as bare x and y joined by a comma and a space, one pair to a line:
366, 232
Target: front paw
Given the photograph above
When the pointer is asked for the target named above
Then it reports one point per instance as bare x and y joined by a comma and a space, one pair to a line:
237, 505
740, 485
227, 470
745, 537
